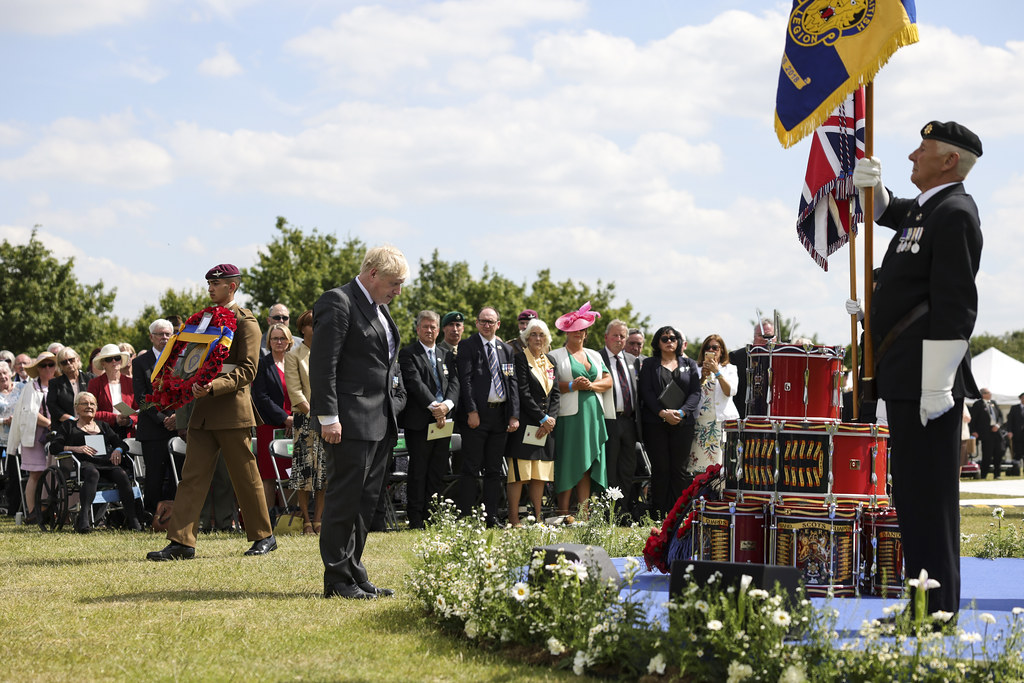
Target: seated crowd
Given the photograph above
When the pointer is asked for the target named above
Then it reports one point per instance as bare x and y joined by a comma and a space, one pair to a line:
528, 416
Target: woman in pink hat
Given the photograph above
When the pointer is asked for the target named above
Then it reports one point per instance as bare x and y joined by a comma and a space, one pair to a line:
585, 403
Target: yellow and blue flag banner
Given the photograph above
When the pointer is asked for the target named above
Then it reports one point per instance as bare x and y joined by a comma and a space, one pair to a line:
832, 48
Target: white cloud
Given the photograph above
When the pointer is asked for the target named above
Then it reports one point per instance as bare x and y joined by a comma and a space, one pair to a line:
62, 17
143, 70
10, 135
222, 65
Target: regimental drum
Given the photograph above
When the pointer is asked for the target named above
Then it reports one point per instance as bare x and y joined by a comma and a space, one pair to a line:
882, 552
730, 532
806, 463
823, 543
791, 382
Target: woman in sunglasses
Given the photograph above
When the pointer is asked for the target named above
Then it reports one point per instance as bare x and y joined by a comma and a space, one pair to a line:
63, 389
668, 415
111, 386
30, 427
717, 387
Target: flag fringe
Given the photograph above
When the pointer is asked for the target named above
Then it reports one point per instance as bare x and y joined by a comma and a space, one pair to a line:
908, 35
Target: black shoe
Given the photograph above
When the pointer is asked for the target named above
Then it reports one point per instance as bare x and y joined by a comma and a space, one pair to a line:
83, 529
173, 551
32, 518
263, 546
373, 590
349, 591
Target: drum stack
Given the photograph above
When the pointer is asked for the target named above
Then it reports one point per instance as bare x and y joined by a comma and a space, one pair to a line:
802, 488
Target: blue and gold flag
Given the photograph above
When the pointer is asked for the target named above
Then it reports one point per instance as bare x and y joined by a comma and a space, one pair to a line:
832, 48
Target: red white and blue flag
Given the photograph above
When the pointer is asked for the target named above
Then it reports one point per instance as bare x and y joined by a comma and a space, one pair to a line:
824, 222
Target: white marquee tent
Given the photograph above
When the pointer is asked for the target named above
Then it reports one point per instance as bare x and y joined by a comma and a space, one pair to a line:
1001, 374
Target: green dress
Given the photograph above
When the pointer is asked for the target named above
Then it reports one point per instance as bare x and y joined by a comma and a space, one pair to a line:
580, 438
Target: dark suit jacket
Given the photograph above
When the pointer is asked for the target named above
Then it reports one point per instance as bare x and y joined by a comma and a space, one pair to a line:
419, 381
99, 386
151, 420
350, 374
632, 374
533, 405
1015, 425
268, 392
933, 257
739, 397
687, 376
60, 399
475, 377
981, 421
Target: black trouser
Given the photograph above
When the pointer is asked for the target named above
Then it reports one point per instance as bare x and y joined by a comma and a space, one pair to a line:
155, 455
620, 453
89, 478
428, 463
991, 454
925, 467
483, 449
668, 447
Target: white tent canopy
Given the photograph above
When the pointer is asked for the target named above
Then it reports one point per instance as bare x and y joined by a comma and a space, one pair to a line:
1000, 374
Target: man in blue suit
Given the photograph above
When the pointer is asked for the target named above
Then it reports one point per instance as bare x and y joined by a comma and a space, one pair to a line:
357, 393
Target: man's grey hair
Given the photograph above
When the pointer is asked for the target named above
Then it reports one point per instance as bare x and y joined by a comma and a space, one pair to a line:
160, 323
429, 315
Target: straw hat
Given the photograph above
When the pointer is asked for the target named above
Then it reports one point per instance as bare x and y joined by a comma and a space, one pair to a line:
33, 368
109, 351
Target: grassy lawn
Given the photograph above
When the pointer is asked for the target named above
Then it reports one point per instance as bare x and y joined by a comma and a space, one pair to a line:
90, 607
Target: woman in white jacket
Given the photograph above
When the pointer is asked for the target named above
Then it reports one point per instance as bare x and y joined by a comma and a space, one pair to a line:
718, 384
29, 426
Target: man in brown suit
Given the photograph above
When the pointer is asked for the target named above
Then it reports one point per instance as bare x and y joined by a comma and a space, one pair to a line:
222, 420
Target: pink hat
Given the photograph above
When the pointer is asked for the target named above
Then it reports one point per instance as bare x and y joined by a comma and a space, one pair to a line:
577, 320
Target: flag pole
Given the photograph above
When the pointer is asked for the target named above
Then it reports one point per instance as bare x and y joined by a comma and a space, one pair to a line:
869, 259
854, 351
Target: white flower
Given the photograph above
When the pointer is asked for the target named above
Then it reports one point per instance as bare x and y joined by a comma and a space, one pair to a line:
738, 672
613, 493
489, 565
714, 625
580, 569
555, 646
987, 618
998, 512
939, 615
745, 582
579, 663
1017, 611
702, 606
970, 637
759, 593
440, 603
793, 674
780, 617
632, 564
923, 582
472, 629
520, 591
656, 665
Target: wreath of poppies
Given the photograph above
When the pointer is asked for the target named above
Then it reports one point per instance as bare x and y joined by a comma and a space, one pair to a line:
657, 546
171, 391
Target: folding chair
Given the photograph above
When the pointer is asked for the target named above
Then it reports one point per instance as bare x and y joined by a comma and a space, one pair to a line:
395, 479
281, 451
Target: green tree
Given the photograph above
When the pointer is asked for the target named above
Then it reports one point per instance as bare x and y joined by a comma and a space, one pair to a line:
296, 267
789, 329
1010, 343
182, 302
44, 302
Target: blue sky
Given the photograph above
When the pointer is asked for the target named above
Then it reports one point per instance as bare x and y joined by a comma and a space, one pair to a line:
630, 142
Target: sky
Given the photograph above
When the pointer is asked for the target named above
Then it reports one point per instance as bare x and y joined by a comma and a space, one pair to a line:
630, 142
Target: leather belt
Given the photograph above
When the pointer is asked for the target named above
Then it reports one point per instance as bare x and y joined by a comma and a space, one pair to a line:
496, 404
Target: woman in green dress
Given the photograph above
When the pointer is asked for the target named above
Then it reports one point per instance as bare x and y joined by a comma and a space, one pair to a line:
580, 435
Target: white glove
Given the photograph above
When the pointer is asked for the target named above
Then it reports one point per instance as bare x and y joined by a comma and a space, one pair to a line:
939, 360
853, 308
868, 173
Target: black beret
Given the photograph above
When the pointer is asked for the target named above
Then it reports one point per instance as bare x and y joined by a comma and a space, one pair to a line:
953, 133
452, 317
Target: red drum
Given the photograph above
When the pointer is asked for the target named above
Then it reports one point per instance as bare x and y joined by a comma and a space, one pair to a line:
806, 463
789, 382
882, 550
730, 532
823, 543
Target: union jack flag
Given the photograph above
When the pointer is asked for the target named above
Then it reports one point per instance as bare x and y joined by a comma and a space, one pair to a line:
824, 222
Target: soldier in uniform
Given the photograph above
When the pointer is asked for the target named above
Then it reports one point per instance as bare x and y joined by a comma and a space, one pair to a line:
222, 419
923, 312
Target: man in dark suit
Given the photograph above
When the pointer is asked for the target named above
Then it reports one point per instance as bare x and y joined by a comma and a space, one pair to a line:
452, 325
353, 372
986, 418
635, 344
1015, 426
432, 387
923, 314
222, 419
156, 427
488, 411
623, 431
763, 331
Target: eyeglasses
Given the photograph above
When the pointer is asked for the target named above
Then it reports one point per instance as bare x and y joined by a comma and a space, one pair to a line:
279, 317
486, 322
69, 361
668, 338
279, 339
